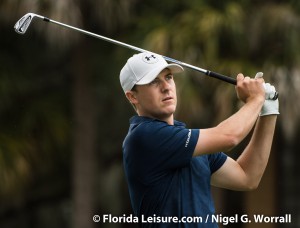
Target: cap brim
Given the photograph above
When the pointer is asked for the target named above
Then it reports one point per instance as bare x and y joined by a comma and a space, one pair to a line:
174, 68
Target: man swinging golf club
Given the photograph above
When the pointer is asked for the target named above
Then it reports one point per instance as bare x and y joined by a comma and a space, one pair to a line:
170, 168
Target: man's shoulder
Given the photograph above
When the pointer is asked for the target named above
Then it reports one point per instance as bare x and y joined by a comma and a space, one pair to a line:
145, 129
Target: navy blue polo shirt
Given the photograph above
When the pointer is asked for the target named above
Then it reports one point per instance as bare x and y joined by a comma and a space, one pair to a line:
164, 179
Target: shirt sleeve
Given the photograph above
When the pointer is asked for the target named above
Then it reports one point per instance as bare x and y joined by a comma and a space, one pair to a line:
216, 161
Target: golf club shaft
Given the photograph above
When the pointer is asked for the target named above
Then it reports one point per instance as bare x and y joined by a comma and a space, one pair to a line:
206, 72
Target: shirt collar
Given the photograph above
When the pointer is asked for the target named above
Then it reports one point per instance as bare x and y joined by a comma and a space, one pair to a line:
141, 119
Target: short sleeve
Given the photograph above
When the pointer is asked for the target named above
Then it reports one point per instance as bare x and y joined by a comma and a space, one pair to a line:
216, 161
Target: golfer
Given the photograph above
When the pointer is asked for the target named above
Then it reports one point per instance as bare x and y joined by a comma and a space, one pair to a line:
170, 168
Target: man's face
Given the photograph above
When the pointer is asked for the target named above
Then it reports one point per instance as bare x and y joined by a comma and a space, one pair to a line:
157, 99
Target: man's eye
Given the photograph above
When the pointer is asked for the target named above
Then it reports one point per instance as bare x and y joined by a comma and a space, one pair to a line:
154, 82
169, 77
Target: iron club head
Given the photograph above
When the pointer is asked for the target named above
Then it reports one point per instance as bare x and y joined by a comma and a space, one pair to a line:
22, 25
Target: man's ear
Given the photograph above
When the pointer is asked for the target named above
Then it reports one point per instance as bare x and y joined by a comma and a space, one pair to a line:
131, 96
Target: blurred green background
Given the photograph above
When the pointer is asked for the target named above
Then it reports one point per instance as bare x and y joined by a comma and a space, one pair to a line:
63, 115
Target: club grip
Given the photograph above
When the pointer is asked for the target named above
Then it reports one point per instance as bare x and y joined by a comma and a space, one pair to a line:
221, 77
231, 80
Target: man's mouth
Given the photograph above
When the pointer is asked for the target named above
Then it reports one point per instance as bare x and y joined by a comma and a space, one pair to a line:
167, 99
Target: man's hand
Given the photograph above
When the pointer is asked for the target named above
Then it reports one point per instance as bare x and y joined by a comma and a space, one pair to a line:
250, 88
270, 91
270, 107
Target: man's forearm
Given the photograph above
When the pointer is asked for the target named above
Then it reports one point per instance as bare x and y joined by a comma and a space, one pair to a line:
255, 157
240, 124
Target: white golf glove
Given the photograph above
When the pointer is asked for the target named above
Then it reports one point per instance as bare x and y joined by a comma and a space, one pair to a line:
270, 107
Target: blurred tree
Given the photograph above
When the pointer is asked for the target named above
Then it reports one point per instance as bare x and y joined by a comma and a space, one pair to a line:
84, 105
34, 130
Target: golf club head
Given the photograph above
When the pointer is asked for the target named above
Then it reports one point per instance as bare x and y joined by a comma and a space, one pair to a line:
22, 25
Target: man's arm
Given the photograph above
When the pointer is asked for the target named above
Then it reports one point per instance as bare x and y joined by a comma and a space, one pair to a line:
247, 171
233, 130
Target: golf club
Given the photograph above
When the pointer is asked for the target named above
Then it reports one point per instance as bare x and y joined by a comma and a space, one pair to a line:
22, 25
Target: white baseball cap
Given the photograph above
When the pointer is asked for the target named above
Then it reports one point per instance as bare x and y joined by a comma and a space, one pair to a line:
143, 68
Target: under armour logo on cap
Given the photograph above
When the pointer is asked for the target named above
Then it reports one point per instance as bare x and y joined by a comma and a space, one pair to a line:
150, 58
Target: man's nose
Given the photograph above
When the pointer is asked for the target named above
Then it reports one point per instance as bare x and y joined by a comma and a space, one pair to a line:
165, 85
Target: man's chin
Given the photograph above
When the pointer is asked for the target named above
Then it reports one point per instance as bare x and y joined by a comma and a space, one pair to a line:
169, 111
